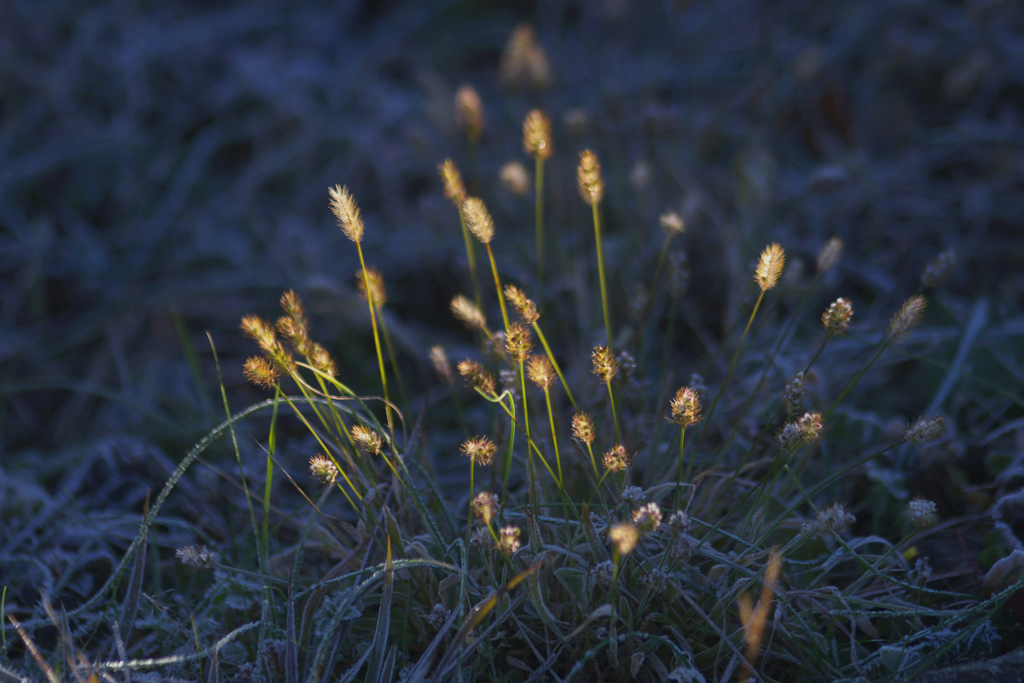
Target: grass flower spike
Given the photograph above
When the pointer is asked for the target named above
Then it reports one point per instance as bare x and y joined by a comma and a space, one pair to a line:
836, 318
907, 318
469, 113
537, 143
925, 429
322, 469
347, 213
769, 266
588, 176
829, 255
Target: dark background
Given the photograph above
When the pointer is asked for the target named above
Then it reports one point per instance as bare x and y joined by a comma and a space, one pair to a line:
164, 167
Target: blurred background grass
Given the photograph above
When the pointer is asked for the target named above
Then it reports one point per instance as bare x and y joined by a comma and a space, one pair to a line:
165, 165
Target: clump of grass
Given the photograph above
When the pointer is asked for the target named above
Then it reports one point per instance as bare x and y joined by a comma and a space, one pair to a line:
558, 550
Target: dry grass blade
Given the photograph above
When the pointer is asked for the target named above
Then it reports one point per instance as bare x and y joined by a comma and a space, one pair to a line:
380, 635
33, 650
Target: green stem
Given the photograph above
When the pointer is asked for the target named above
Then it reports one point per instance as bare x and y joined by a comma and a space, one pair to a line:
679, 473
615, 417
471, 256
539, 221
551, 357
393, 358
558, 459
376, 341
735, 356
856, 379
497, 286
600, 270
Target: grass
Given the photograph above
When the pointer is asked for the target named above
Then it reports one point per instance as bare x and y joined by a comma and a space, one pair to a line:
783, 551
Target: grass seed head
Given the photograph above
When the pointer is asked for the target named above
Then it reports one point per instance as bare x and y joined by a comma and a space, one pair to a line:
537, 135
439, 359
525, 308
508, 540
769, 266
295, 333
905, 319
321, 360
804, 430
478, 219
836, 318
605, 365
925, 429
616, 459
829, 255
685, 407
466, 311
624, 538
647, 518
261, 372
515, 178
293, 309
583, 427
454, 189
518, 342
922, 512
794, 396
940, 268
541, 372
322, 469
469, 113
477, 376
199, 557
672, 223
346, 211
679, 522
524, 62
485, 507
479, 449
588, 175
371, 288
367, 440
833, 519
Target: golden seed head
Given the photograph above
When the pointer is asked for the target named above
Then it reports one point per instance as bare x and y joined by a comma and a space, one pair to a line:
769, 267
524, 63
347, 213
685, 407
367, 440
515, 178
477, 376
616, 459
588, 175
469, 112
321, 360
295, 332
829, 255
373, 284
925, 429
624, 537
583, 427
261, 332
907, 317
466, 311
508, 540
479, 449
537, 135
672, 223
837, 316
541, 372
261, 372
518, 342
322, 469
454, 189
936, 272
291, 304
525, 308
605, 365
478, 219
804, 430
485, 507
439, 359
647, 518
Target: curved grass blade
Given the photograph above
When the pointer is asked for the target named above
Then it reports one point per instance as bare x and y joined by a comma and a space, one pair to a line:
380, 635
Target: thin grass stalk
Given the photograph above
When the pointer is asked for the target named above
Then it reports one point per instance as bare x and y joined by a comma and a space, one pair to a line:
856, 379
497, 285
529, 453
469, 516
376, 342
558, 459
393, 358
340, 429
539, 221
271, 446
679, 472
471, 256
721, 388
554, 363
615, 416
260, 552
600, 271
508, 458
